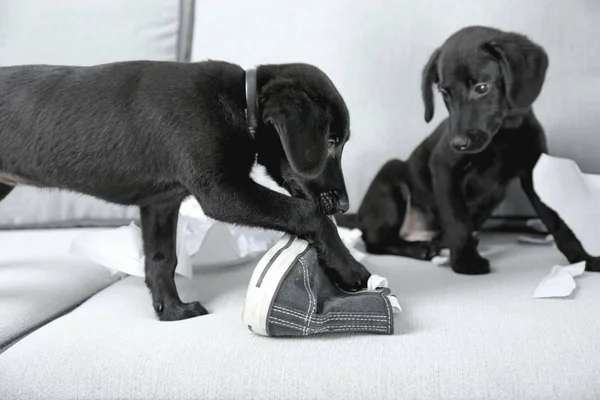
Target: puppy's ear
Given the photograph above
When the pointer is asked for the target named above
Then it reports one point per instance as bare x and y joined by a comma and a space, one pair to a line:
302, 127
430, 77
523, 64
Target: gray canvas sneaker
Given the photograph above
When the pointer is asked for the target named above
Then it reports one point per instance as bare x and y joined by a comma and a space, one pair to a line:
290, 295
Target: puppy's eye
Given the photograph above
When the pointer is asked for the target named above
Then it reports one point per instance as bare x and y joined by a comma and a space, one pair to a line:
331, 143
444, 93
482, 88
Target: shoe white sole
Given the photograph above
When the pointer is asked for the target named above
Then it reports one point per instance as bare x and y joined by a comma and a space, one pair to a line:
266, 279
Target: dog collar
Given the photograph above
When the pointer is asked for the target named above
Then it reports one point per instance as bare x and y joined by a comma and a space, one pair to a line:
251, 100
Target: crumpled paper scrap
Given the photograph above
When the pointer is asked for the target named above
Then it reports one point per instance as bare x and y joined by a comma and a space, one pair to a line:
352, 238
121, 250
537, 225
544, 240
560, 282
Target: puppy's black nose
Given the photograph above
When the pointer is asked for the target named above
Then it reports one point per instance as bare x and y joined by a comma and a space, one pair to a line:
460, 143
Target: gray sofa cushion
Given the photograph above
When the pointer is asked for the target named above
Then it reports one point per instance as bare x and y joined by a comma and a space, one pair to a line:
374, 52
458, 337
39, 281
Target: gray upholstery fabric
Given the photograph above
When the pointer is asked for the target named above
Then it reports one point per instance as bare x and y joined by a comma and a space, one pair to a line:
458, 337
39, 281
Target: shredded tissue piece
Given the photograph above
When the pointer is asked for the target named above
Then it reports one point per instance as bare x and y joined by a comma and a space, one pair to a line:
560, 282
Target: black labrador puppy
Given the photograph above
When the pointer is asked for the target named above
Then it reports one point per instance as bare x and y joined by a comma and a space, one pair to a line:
458, 175
152, 133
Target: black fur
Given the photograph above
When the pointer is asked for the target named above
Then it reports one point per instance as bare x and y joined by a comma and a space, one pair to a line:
458, 175
152, 133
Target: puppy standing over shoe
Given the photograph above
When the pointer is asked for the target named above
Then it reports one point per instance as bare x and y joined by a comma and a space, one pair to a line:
152, 133
457, 176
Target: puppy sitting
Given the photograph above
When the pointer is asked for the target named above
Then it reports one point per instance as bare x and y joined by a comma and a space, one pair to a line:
150, 134
457, 176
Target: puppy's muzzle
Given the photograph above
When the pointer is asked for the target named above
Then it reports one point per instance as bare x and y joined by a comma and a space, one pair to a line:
473, 142
333, 202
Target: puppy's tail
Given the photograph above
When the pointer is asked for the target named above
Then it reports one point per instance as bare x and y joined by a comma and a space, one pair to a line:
349, 221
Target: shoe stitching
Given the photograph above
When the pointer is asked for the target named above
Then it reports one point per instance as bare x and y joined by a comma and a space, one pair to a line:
387, 307
285, 324
311, 294
334, 314
336, 318
297, 326
305, 273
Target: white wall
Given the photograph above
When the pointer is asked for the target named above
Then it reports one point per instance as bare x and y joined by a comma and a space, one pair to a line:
374, 51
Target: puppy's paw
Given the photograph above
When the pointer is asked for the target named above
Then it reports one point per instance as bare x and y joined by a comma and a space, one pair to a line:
350, 276
593, 264
176, 311
470, 263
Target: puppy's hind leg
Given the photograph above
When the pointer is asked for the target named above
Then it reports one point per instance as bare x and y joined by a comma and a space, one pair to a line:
159, 230
383, 213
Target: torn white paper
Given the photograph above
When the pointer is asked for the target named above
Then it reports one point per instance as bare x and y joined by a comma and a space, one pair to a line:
537, 225
545, 240
120, 250
376, 281
351, 238
560, 282
247, 242
573, 195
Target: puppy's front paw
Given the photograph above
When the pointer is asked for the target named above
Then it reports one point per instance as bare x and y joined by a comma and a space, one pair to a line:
350, 275
176, 311
593, 264
470, 263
